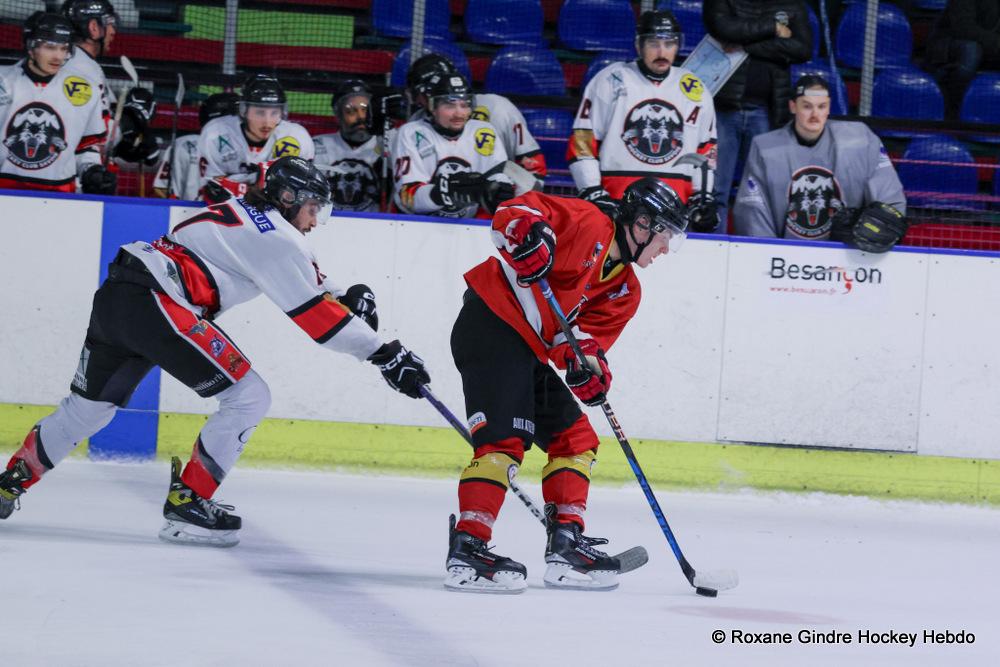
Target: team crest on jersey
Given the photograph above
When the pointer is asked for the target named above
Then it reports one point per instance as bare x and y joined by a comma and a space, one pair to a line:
814, 196
353, 185
692, 87
654, 132
35, 136
481, 113
485, 141
285, 146
77, 90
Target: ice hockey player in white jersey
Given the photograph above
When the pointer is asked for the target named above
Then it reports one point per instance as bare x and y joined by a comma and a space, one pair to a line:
449, 164
51, 117
158, 308
639, 118
351, 157
234, 152
512, 130
178, 176
95, 23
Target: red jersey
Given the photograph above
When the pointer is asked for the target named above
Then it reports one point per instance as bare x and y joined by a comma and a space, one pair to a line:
598, 302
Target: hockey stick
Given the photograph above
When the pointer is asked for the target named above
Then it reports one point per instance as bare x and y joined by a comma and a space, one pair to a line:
460, 427
708, 584
132, 74
168, 152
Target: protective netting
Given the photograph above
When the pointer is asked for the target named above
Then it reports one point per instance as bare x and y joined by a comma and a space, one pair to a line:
540, 53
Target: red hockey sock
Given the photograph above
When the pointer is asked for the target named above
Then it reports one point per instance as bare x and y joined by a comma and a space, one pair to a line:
566, 477
483, 486
197, 476
33, 454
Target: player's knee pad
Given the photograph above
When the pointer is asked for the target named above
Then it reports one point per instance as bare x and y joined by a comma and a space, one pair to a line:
77, 418
250, 398
576, 464
241, 408
578, 438
495, 468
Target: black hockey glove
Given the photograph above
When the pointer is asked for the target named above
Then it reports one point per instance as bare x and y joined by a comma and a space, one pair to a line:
458, 190
879, 228
403, 370
600, 198
136, 144
213, 193
842, 224
387, 110
361, 301
703, 212
496, 193
98, 181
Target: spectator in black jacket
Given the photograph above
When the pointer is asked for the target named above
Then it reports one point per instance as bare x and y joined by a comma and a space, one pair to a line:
965, 38
775, 34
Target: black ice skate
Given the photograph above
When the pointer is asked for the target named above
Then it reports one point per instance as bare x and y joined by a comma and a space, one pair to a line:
473, 568
12, 486
573, 562
191, 519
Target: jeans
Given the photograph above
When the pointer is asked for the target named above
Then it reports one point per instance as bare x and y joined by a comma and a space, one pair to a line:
736, 130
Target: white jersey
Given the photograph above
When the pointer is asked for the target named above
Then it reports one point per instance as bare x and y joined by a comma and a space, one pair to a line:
353, 172
421, 155
223, 150
52, 128
629, 126
83, 64
231, 252
178, 176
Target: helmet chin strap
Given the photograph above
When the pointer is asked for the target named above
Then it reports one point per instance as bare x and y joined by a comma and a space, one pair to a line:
623, 234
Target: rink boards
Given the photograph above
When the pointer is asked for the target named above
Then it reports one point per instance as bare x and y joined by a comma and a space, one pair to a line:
736, 340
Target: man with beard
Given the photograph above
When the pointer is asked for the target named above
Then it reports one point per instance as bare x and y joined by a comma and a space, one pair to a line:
449, 164
350, 158
639, 118
234, 152
96, 25
52, 127
820, 180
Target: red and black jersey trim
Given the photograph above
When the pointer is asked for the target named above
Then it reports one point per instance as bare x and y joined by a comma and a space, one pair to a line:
322, 317
42, 183
200, 287
90, 140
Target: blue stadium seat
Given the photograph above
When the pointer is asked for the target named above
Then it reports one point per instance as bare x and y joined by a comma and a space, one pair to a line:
597, 25
447, 49
526, 71
552, 128
688, 13
817, 32
894, 44
940, 180
504, 22
934, 5
838, 92
907, 93
394, 18
602, 60
981, 103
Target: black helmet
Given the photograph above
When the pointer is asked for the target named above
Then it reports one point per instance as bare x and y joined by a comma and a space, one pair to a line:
218, 105
653, 204
359, 132
348, 88
449, 86
47, 27
422, 69
291, 182
81, 12
661, 24
262, 90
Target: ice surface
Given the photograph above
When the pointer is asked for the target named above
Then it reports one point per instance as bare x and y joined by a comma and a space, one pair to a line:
346, 570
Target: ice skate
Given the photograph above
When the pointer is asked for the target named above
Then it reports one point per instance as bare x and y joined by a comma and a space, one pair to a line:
473, 568
11, 487
191, 519
573, 562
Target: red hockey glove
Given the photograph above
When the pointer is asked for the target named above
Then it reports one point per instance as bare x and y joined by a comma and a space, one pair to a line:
592, 382
528, 245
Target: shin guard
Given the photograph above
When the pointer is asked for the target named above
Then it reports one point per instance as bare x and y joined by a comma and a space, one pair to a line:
483, 486
566, 483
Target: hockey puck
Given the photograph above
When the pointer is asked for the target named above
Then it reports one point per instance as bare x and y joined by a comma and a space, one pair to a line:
707, 592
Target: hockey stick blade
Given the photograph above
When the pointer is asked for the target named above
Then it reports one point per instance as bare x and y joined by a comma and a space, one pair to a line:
632, 559
717, 580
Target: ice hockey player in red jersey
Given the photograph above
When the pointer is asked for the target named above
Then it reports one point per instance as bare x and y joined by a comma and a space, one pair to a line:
158, 307
503, 341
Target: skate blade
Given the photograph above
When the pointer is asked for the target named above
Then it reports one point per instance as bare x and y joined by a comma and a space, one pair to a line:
632, 559
563, 576
177, 532
465, 580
